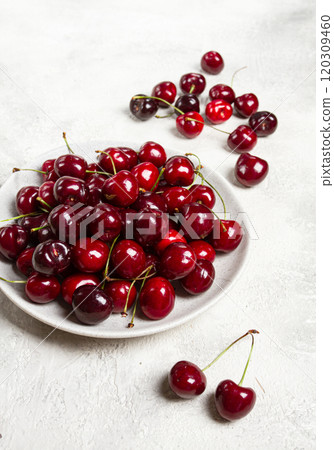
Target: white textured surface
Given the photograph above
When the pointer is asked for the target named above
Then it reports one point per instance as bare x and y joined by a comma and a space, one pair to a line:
73, 66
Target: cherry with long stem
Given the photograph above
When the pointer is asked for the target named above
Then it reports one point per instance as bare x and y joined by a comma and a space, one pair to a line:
35, 213
67, 145
13, 281
145, 273
106, 269
158, 179
237, 71
131, 324
162, 100
111, 160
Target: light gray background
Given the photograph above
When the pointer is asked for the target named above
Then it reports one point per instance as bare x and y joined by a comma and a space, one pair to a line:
73, 66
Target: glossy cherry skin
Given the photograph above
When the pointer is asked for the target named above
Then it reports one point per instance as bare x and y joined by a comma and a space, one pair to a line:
153, 153
74, 281
192, 83
47, 166
71, 166
169, 238
157, 298
222, 92
152, 260
51, 176
121, 189
70, 190
179, 171
250, 170
46, 193
90, 255
233, 401
94, 184
26, 202
51, 257
165, 90
242, 139
190, 128
45, 234
202, 194
187, 103
200, 279
146, 174
92, 167
175, 197
203, 250
113, 155
143, 108
66, 221
187, 380
212, 62
91, 305
196, 221
150, 200
118, 291
246, 105
228, 238
149, 227
13, 240
218, 111
42, 288
105, 222
263, 123
131, 155
177, 261
31, 222
128, 259
24, 262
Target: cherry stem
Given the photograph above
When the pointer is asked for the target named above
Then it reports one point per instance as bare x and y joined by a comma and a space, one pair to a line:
227, 348
38, 228
211, 126
39, 199
199, 166
112, 161
160, 99
20, 217
192, 88
164, 117
99, 172
249, 357
13, 281
105, 272
216, 191
69, 148
131, 324
158, 179
242, 68
124, 313
16, 169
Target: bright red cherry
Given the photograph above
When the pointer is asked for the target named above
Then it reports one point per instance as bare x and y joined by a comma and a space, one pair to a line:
263, 123
187, 380
250, 170
143, 108
51, 257
146, 174
90, 255
26, 202
70, 190
150, 200
74, 281
201, 193
157, 298
46, 193
111, 157
149, 227
187, 103
91, 305
24, 261
222, 92
71, 166
94, 184
212, 62
218, 111
196, 221
121, 189
118, 291
246, 105
192, 83
227, 237
128, 259
190, 128
171, 237
203, 250
243, 139
175, 197
233, 401
165, 90
131, 155
42, 288
47, 166
13, 240
179, 171
153, 153
105, 223
200, 279
177, 261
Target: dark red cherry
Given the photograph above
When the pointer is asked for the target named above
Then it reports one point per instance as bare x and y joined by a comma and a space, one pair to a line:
90, 255
128, 259
187, 103
127, 216
179, 171
44, 234
47, 166
153, 153
94, 184
175, 197
51, 176
26, 202
13, 240
190, 128
246, 105
152, 260
74, 281
118, 291
203, 250
113, 155
157, 298
105, 222
165, 90
250, 170
196, 221
71, 166
201, 193
131, 155
70, 190
263, 123
46, 193
187, 380
51, 257
177, 261
192, 83
200, 279
68, 222
233, 401
143, 108
169, 238
242, 139
162, 186
146, 174
150, 200
212, 62
24, 261
121, 189
31, 222
92, 167
222, 92
150, 227
227, 238
91, 305
42, 288
218, 111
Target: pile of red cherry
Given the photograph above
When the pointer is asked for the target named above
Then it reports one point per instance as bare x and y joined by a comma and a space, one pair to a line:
71, 236
250, 169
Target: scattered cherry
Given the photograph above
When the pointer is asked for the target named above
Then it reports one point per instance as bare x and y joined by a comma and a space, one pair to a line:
233, 401
222, 92
263, 123
187, 380
190, 128
192, 83
242, 139
143, 108
250, 170
187, 103
218, 111
165, 90
246, 105
212, 62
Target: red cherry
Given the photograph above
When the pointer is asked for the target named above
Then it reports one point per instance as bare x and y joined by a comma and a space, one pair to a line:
45, 234
200, 279
146, 174
128, 259
212, 62
192, 83
175, 197
42, 288
218, 111
105, 222
263, 123
91, 305
149, 227
118, 291
13, 240
70, 190
153, 153
242, 139
24, 261
47, 166
131, 155
157, 298
51, 176
70, 165
111, 157
177, 261
233, 401
152, 260
26, 202
121, 189
51, 257
165, 90
202, 194
31, 222
179, 171
45, 192
171, 237
250, 170
65, 221
143, 108
89, 255
92, 167
187, 380
74, 281
196, 221
227, 237
187, 103
222, 92
190, 128
246, 105
150, 200
203, 250
94, 184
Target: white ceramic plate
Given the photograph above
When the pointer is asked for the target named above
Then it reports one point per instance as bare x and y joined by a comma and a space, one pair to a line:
228, 266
